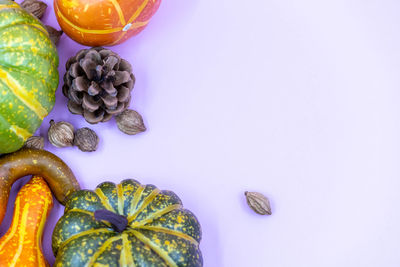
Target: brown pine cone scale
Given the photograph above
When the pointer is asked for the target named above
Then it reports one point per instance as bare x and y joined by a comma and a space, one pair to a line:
98, 84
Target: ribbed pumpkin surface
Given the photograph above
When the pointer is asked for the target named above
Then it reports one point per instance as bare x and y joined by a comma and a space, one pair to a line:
160, 231
28, 75
104, 22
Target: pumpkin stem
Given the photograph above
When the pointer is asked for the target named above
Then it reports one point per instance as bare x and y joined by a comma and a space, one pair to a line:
118, 222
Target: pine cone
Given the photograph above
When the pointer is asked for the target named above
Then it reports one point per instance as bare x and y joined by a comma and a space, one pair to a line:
98, 84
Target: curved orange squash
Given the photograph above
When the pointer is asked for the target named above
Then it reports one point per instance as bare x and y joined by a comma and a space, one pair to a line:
104, 22
22, 244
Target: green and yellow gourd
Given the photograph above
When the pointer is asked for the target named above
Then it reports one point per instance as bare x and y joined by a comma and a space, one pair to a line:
28, 75
128, 224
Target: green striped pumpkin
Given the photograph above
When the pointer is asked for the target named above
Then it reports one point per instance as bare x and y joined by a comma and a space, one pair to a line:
158, 230
28, 75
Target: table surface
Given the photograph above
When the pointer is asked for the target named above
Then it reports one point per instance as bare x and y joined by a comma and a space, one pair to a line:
295, 99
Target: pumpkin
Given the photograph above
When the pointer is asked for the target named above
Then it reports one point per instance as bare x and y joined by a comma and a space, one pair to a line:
35, 162
22, 244
104, 22
28, 75
128, 224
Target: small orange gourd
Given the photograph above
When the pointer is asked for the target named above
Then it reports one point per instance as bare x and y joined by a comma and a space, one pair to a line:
104, 22
22, 244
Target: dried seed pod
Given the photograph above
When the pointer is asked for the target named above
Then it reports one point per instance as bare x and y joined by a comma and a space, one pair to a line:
130, 122
86, 139
35, 7
258, 202
53, 34
61, 134
36, 142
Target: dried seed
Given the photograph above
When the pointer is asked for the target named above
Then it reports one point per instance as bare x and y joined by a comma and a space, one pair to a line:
258, 202
53, 34
61, 134
36, 142
86, 139
130, 122
35, 7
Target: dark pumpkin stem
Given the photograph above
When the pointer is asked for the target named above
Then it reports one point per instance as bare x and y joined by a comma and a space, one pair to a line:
118, 222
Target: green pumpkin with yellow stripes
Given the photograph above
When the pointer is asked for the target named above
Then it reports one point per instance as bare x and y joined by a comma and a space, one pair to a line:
28, 75
127, 224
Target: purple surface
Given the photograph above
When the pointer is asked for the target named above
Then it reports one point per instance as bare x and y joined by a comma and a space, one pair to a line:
295, 99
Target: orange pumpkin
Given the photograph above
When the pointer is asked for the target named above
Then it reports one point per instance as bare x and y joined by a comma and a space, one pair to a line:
22, 244
104, 22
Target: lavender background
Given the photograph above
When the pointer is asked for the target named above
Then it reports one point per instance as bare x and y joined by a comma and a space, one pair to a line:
294, 99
